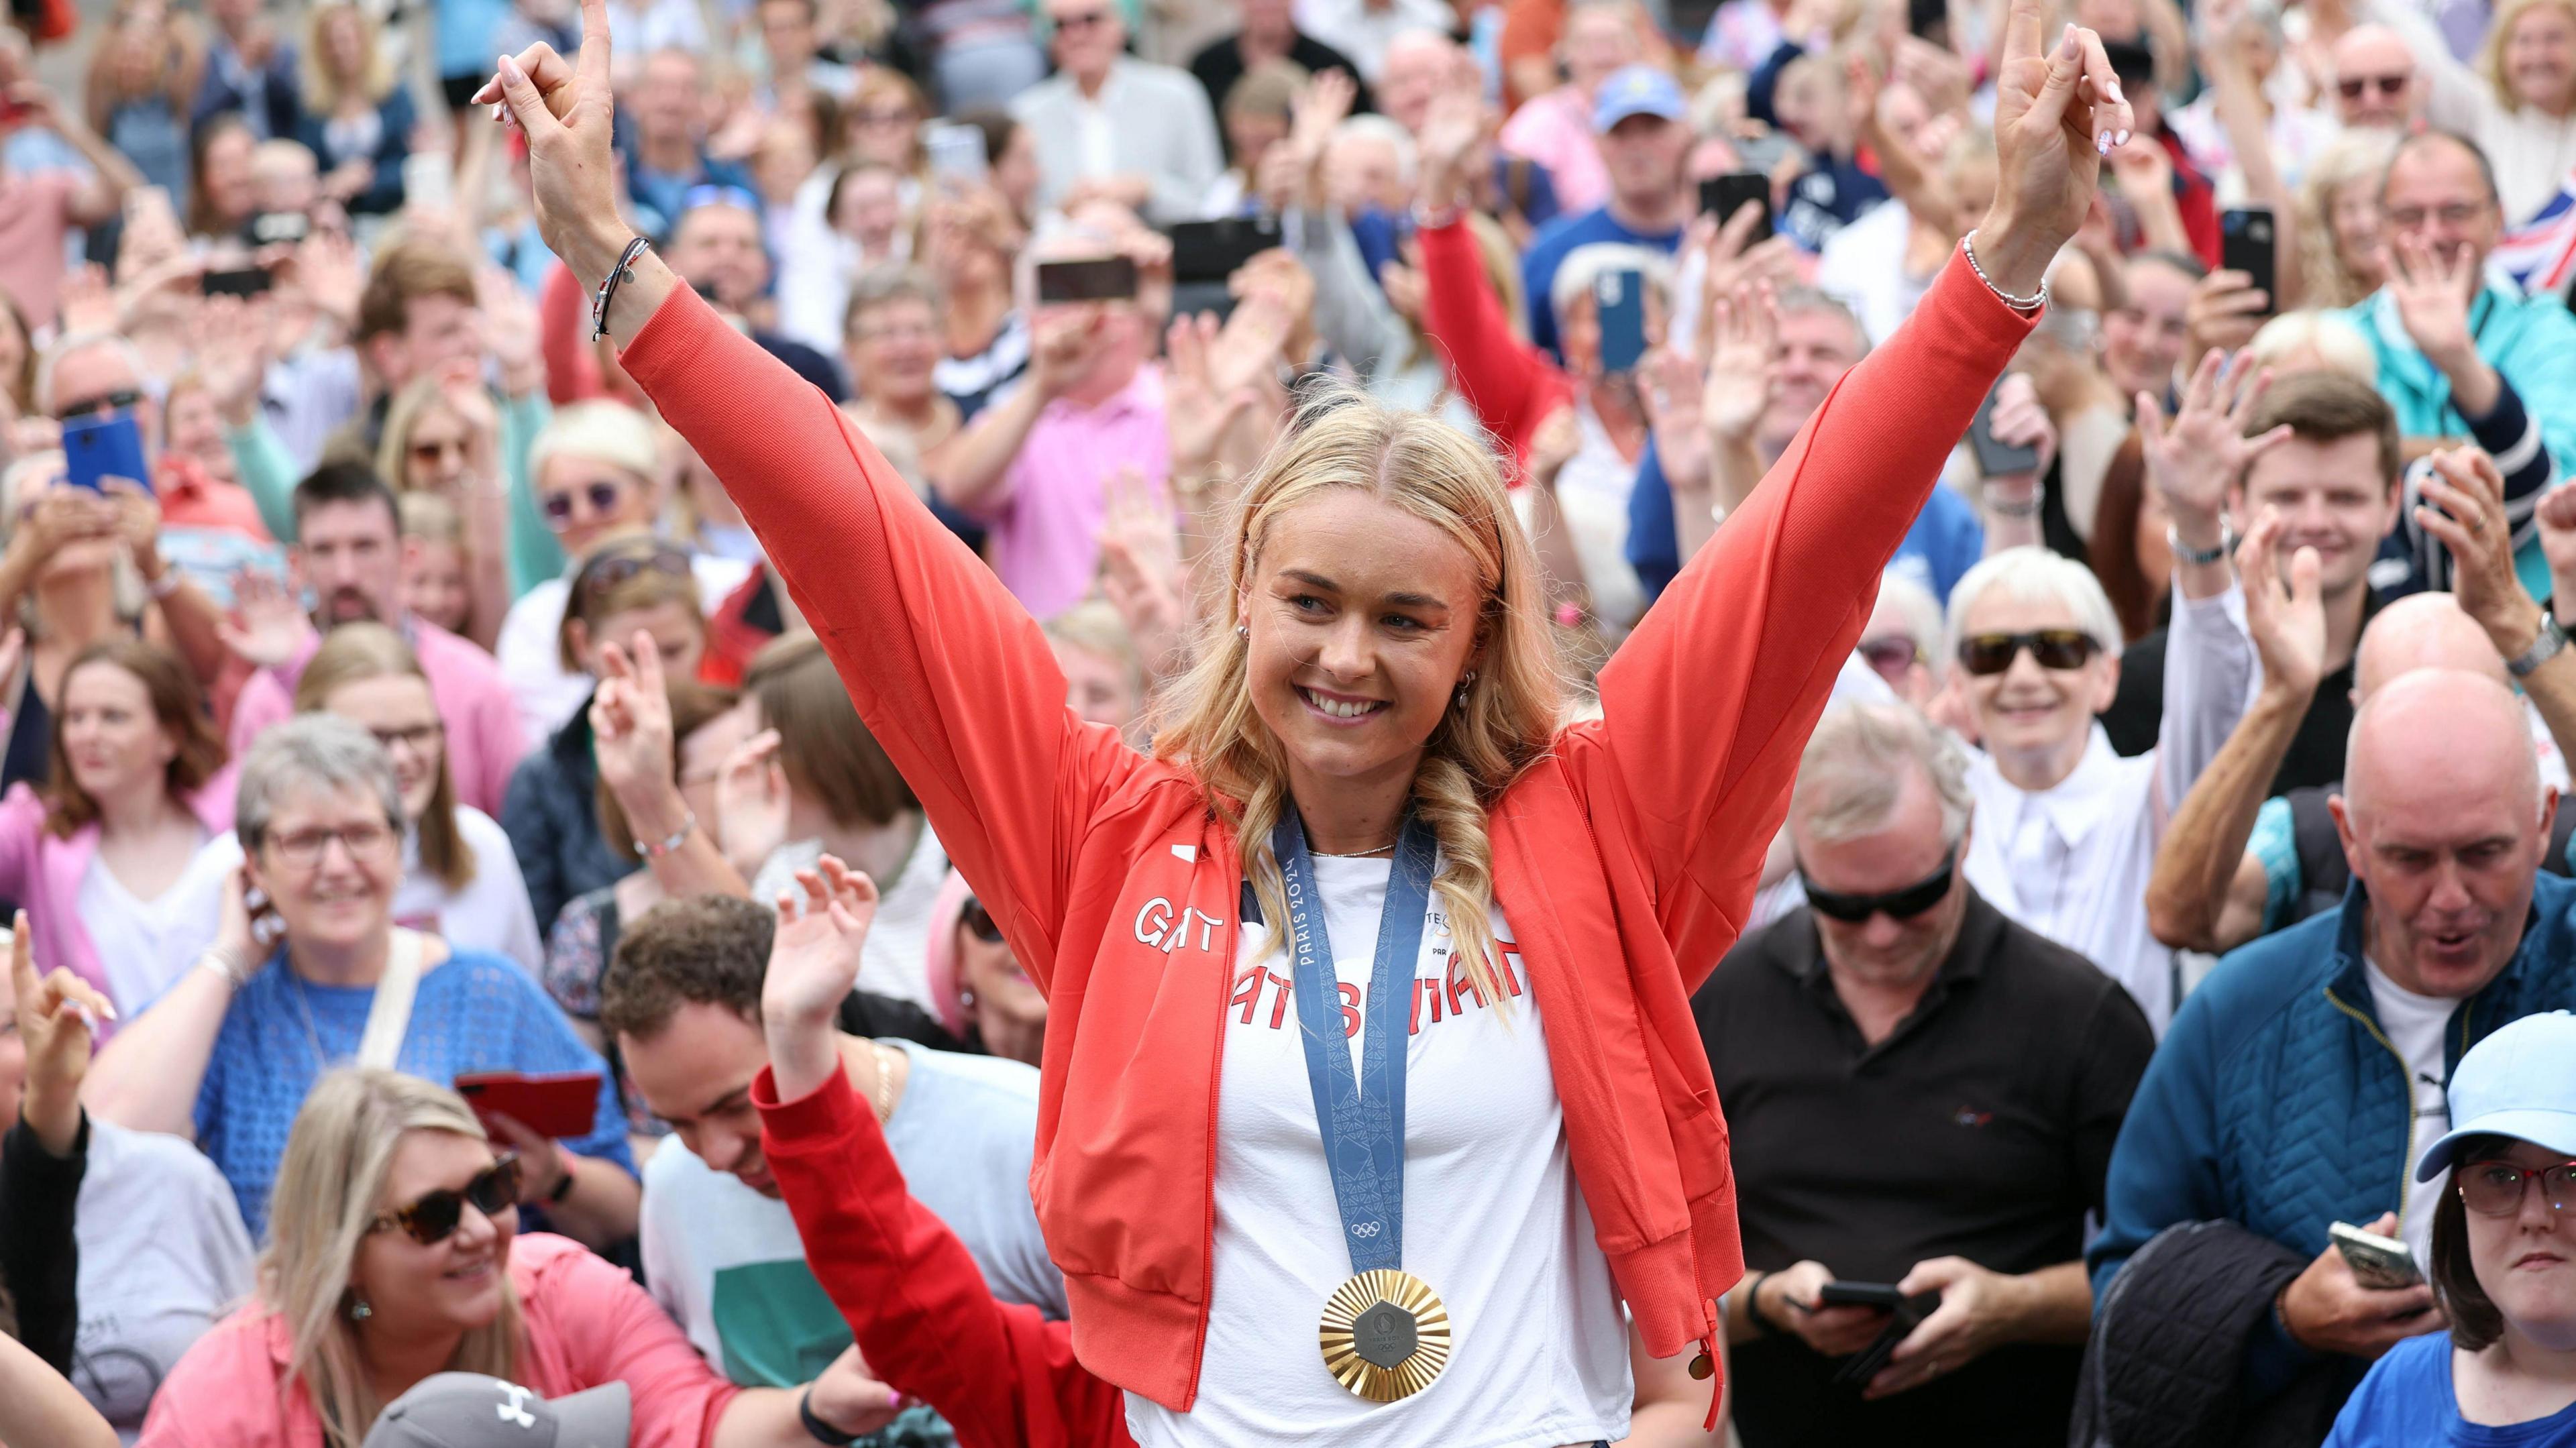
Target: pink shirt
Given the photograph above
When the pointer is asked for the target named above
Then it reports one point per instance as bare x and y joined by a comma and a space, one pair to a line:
483, 742
587, 1324
1555, 130
43, 872
1046, 524
35, 216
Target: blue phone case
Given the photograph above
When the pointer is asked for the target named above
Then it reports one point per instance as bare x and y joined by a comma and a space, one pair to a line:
1619, 301
98, 448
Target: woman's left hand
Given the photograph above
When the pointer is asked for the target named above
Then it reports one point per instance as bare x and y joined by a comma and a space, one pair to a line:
2057, 111
55, 1016
847, 1398
542, 1164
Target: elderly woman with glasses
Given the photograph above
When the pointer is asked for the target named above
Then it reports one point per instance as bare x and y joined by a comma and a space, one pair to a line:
228, 1053
2503, 1266
397, 1253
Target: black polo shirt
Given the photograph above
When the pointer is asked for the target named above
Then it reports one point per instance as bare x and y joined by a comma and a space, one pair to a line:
2315, 756
1980, 1128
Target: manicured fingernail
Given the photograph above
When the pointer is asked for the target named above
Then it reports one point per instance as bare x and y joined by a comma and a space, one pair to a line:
2117, 99
894, 1398
2068, 45
510, 69
2102, 143
2124, 138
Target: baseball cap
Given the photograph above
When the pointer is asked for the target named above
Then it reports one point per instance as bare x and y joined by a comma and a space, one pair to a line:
1637, 90
469, 1410
2519, 1082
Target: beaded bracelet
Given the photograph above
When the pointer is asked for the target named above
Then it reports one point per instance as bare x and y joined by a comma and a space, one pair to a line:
622, 272
2030, 303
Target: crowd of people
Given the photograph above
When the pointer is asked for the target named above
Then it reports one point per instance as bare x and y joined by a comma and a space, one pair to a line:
684, 718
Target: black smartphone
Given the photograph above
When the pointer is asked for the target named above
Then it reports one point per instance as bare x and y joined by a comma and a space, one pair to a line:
1881, 1295
1928, 20
1907, 1315
2245, 243
249, 281
1104, 279
1211, 251
1723, 196
1998, 459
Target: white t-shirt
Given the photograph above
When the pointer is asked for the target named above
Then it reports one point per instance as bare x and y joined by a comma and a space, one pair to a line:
2414, 1025
143, 945
1493, 1220
897, 954
490, 915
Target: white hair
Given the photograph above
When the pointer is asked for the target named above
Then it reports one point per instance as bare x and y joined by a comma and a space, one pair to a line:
2034, 575
1853, 772
1922, 614
1372, 127
2331, 335
1588, 263
73, 345
603, 432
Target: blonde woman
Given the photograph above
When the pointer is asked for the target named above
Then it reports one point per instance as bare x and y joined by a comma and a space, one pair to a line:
2518, 102
442, 438
2338, 220
1378, 682
395, 1253
358, 117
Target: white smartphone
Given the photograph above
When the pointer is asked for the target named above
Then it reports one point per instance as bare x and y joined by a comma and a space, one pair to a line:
2376, 1261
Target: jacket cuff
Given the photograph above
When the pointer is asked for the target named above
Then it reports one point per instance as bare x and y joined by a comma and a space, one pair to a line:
2273, 1359
673, 335
816, 1121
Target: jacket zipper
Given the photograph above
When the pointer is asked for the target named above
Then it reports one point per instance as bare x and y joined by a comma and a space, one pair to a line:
2406, 1089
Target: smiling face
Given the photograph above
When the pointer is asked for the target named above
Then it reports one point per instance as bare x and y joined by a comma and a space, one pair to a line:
2437, 197
111, 735
2540, 59
2331, 498
696, 1074
329, 863
2526, 1263
452, 1286
587, 501
1361, 617
434, 456
2035, 720
403, 715
2142, 340
893, 350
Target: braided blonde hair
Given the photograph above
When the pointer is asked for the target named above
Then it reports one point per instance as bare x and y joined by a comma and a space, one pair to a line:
1512, 706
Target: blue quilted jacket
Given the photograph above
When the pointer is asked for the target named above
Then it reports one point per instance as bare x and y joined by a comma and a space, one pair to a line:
2276, 1103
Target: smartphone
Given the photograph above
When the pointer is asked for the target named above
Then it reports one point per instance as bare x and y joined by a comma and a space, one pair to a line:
1903, 1318
1928, 20
1998, 459
956, 151
1105, 279
1881, 1295
1619, 302
2245, 243
2376, 1261
564, 1104
98, 448
1211, 251
1723, 196
278, 228
249, 281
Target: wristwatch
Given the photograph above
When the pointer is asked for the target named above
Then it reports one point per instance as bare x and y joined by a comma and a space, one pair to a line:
2552, 638
816, 1428
2189, 557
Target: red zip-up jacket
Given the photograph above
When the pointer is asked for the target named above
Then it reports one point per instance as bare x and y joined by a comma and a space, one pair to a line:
1625, 858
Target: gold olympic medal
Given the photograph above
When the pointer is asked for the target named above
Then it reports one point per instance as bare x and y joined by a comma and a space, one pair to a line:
1385, 1335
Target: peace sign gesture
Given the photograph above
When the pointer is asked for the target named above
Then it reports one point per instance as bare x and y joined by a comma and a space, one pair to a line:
2057, 112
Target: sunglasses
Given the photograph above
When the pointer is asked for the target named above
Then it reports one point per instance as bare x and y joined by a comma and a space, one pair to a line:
122, 400
1985, 655
1898, 905
434, 1218
602, 494
2495, 1188
1890, 657
2354, 87
706, 194
1082, 20
979, 922
614, 569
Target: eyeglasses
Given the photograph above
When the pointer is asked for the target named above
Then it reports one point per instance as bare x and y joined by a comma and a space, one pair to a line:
2495, 1188
304, 848
419, 738
713, 195
2354, 87
899, 117
431, 449
2458, 213
602, 496
979, 922
1899, 905
121, 400
434, 1218
1890, 656
1985, 655
609, 570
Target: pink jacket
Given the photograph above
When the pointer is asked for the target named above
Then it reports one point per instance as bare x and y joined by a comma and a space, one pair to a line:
42, 871
587, 1324
483, 739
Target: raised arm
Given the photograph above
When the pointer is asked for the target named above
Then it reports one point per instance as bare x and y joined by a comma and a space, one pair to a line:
950, 673
1511, 386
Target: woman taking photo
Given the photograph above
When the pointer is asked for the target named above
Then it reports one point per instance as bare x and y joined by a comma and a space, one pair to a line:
396, 1253
229, 1051
1379, 682
358, 117
2503, 1264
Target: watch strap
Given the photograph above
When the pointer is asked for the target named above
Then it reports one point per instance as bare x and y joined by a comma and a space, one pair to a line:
816, 1428
2189, 557
2545, 646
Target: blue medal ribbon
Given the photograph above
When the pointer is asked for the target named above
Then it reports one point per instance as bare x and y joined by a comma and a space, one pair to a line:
1361, 1115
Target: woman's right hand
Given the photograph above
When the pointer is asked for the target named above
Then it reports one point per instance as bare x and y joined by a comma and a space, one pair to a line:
630, 722
237, 930
2057, 111
566, 110
751, 802
267, 625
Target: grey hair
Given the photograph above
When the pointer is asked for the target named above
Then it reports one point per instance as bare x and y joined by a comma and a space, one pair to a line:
73, 345
1372, 127
2032, 574
310, 752
1853, 772
1815, 301
1922, 614
1588, 263
885, 285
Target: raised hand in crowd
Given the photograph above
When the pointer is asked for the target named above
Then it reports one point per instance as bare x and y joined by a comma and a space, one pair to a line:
2432, 290
752, 802
326, 272
2224, 312
2011, 500
230, 337
1142, 573
88, 301
2058, 111
2285, 616
511, 331
633, 741
1198, 404
2192, 460
2327, 1309
267, 626
1293, 170
2464, 507
813, 965
2145, 174
57, 1013
1451, 130
1671, 388
2555, 515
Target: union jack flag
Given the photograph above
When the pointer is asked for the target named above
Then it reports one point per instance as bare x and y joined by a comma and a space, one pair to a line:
2540, 254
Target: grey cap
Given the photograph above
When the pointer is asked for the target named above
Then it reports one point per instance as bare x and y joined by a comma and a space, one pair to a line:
469, 1410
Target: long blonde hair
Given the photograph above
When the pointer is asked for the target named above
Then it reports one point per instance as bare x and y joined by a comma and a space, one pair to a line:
338, 1154
2358, 155
1511, 708
2499, 35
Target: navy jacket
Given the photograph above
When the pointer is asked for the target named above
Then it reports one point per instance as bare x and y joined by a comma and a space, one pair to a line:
2275, 1101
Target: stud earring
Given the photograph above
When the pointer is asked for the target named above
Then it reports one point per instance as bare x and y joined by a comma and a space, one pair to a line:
1243, 630
359, 1311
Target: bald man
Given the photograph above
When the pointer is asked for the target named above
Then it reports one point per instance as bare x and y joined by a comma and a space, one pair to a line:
2287, 1093
2374, 80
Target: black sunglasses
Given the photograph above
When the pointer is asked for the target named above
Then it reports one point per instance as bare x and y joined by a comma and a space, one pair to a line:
608, 570
979, 922
433, 1219
1902, 904
603, 496
2354, 87
123, 400
2054, 648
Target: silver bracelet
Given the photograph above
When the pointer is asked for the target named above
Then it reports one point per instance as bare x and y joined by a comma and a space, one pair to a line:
2021, 508
2032, 303
220, 961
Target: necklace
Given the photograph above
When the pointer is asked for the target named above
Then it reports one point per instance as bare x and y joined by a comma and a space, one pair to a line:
881, 1096
1386, 849
321, 1060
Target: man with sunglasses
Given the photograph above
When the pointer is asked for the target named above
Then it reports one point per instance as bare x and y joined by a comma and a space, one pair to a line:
2374, 79
1111, 127
1920, 1093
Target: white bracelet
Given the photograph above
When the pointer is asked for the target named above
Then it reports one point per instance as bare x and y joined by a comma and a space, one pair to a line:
219, 961
2032, 303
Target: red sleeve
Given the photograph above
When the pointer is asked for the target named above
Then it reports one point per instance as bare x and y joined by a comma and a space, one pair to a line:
1708, 705
951, 674
1002, 1376
1508, 382
563, 339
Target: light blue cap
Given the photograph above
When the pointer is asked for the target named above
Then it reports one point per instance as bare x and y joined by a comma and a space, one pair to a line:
2519, 1082
1637, 90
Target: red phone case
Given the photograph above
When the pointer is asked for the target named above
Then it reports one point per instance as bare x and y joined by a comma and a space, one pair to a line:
560, 1105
